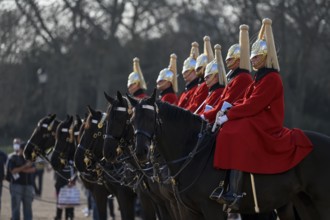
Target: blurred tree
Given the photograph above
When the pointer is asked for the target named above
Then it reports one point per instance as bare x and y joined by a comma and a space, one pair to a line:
87, 47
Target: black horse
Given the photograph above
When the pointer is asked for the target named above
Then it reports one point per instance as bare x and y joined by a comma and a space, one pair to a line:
41, 143
42, 140
117, 148
178, 136
89, 156
65, 146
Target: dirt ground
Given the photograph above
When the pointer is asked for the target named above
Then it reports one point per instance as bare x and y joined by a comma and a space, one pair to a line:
44, 207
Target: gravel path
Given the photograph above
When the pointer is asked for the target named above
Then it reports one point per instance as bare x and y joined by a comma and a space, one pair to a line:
44, 206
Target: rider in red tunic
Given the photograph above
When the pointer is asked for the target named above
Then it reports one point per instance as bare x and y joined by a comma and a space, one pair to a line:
189, 76
252, 138
167, 82
215, 79
201, 92
239, 77
136, 84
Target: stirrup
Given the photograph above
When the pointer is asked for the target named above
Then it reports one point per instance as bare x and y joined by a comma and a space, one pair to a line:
234, 205
217, 193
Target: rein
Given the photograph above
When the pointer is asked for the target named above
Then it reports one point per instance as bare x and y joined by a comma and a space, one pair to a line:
187, 159
45, 158
151, 137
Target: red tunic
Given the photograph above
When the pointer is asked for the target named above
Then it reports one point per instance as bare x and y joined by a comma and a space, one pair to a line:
198, 97
234, 90
140, 94
254, 140
212, 98
186, 96
168, 95
170, 98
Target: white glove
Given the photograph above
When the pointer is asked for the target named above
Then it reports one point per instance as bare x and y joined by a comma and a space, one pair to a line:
221, 120
225, 106
203, 117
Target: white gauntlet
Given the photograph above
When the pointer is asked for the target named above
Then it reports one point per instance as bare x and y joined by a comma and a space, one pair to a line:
221, 120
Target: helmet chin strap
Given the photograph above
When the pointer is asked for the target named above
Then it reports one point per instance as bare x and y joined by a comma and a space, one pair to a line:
260, 62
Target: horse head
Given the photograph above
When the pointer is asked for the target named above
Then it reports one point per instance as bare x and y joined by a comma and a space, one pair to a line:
90, 145
42, 139
64, 145
144, 120
119, 132
77, 129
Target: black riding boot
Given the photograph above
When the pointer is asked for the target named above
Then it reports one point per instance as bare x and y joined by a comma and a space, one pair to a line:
233, 196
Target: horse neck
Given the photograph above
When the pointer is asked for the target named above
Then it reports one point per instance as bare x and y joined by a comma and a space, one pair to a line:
177, 135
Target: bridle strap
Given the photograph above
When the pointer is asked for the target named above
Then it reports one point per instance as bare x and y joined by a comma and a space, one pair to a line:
33, 144
109, 136
191, 155
143, 133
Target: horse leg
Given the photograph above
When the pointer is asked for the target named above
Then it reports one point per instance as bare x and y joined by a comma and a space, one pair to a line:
172, 209
100, 199
147, 205
160, 201
165, 190
126, 201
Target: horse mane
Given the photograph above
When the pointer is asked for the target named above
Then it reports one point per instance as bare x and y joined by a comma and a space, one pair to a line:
177, 113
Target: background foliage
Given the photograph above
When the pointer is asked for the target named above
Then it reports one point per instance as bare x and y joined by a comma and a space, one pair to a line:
86, 47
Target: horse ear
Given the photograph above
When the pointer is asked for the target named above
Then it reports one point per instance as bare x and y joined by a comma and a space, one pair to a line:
153, 96
78, 117
52, 116
119, 97
90, 110
70, 119
132, 100
109, 98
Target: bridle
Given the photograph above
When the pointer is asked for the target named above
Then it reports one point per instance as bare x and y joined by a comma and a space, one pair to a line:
152, 164
157, 121
69, 140
152, 138
89, 154
122, 140
37, 150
